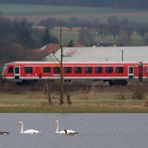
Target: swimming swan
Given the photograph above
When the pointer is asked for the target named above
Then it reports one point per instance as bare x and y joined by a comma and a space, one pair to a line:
65, 131
29, 131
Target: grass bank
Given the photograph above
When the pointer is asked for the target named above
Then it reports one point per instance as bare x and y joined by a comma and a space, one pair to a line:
104, 101
73, 109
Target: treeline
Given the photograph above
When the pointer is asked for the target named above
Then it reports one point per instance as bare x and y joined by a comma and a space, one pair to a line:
17, 37
142, 4
121, 30
20, 32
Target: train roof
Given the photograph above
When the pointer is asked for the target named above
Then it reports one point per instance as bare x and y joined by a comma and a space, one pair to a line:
101, 54
73, 62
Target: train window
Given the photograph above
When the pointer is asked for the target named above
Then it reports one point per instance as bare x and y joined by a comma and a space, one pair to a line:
119, 70
28, 70
98, 69
57, 70
131, 70
17, 70
88, 69
67, 69
109, 69
78, 69
46, 69
10, 70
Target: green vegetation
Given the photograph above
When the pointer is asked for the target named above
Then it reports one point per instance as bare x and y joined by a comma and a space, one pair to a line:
33, 9
72, 109
37, 12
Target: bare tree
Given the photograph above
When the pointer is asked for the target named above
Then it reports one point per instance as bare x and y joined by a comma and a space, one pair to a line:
113, 26
61, 70
124, 38
86, 37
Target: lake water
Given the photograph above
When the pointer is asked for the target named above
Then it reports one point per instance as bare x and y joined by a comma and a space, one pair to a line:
96, 130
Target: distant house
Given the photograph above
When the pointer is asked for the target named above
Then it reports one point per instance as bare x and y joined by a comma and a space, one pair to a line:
49, 48
41, 53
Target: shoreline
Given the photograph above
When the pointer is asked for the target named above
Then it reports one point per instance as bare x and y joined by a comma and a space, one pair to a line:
73, 109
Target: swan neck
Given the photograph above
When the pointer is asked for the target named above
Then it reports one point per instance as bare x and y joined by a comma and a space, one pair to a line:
57, 127
22, 128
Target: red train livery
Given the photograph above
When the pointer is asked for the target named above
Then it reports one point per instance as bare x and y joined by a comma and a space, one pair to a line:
113, 72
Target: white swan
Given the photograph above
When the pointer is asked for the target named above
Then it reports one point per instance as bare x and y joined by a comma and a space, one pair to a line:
29, 131
65, 131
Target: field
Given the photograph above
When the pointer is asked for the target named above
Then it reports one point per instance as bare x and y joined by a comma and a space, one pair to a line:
73, 34
39, 12
101, 99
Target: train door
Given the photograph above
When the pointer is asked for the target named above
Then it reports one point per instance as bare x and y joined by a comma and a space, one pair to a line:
17, 72
131, 72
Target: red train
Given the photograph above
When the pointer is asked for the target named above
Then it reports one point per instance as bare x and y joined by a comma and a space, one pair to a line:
113, 72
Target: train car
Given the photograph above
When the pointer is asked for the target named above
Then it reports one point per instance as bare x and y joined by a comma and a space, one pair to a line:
113, 72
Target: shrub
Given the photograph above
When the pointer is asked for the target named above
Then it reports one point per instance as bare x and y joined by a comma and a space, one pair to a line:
122, 96
138, 93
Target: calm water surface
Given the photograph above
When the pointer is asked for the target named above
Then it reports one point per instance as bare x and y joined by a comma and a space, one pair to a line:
96, 131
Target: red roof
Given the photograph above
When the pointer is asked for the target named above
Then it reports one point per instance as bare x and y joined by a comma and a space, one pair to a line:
49, 48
